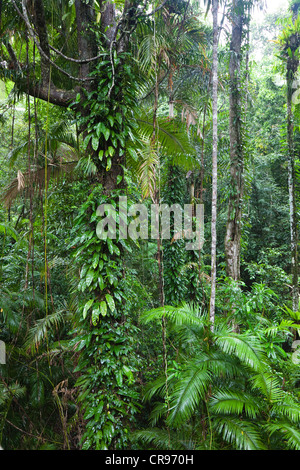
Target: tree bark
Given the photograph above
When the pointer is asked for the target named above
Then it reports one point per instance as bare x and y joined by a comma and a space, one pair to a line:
214, 164
233, 227
292, 66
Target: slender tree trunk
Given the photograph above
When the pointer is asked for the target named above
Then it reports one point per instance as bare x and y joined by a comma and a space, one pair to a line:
292, 67
214, 164
233, 227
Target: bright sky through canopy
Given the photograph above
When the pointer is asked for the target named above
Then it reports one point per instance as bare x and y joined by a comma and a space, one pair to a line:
271, 7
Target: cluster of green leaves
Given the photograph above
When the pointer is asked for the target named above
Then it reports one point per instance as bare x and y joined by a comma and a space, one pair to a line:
37, 379
106, 114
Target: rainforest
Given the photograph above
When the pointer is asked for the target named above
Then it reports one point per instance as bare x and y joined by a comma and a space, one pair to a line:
149, 219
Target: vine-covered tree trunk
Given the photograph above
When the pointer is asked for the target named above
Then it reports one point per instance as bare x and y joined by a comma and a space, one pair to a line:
234, 218
103, 103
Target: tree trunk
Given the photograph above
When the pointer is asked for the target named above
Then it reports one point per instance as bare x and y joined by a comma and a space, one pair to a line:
233, 227
214, 164
102, 374
292, 66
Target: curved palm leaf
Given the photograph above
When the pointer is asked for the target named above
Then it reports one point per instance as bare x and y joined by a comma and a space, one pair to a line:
247, 348
289, 433
186, 314
242, 434
289, 409
189, 392
41, 327
269, 385
172, 138
233, 402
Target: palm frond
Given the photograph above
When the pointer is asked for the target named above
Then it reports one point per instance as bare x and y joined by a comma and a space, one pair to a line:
241, 434
14, 390
172, 138
42, 326
188, 393
162, 439
269, 385
233, 402
37, 175
146, 168
287, 432
289, 409
187, 314
283, 327
248, 349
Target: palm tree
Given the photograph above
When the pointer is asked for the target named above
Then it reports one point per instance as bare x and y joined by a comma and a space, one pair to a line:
221, 393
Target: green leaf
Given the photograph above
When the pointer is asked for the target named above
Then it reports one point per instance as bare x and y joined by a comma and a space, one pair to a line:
87, 307
86, 141
101, 282
103, 308
119, 378
95, 142
100, 129
110, 246
110, 302
95, 316
89, 277
106, 133
129, 374
95, 260
111, 150
119, 118
108, 165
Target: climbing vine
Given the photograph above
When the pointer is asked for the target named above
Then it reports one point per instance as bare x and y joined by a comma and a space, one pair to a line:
104, 332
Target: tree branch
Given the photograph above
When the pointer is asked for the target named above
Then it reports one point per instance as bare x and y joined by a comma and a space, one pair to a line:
40, 24
44, 56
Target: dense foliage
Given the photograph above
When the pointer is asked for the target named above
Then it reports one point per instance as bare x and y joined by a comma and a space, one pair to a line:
109, 339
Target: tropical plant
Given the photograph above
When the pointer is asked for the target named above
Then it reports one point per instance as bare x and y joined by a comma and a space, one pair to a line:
222, 392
